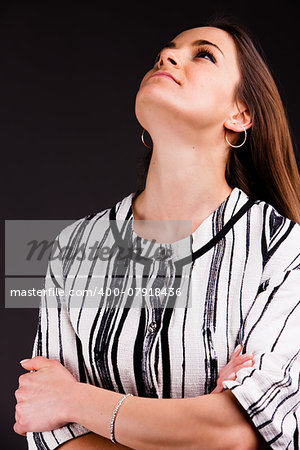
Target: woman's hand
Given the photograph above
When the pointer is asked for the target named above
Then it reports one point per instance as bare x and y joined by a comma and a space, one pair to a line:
236, 362
42, 396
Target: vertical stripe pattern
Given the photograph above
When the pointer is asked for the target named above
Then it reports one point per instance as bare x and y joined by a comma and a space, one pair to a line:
161, 320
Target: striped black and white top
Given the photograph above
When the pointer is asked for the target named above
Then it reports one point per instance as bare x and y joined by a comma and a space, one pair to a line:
161, 320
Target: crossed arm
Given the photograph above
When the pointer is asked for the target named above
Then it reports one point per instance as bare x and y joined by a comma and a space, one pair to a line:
205, 422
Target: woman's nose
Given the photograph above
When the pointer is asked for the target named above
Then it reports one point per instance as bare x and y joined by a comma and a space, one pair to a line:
167, 56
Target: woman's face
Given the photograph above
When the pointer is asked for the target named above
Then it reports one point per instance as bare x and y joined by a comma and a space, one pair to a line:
203, 63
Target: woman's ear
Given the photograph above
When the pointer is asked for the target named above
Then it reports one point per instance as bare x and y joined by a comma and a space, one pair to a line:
240, 121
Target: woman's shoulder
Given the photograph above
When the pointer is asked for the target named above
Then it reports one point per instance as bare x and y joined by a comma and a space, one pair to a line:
274, 222
81, 228
280, 236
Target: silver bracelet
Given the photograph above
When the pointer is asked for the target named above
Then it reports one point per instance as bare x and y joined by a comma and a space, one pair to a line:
113, 417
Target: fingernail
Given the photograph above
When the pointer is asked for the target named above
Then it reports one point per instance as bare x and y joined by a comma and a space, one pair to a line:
237, 348
23, 360
232, 375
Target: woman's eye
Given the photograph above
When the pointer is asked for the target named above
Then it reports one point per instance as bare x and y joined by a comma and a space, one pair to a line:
206, 53
201, 54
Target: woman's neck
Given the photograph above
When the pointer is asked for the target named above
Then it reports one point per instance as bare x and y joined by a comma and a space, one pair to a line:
182, 185
186, 186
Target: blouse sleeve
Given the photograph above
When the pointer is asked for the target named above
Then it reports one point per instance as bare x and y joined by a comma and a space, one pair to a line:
56, 339
269, 390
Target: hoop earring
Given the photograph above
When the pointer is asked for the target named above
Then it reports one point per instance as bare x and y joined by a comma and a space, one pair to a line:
240, 145
142, 137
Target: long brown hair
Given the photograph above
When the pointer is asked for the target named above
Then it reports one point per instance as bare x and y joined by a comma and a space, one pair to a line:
265, 167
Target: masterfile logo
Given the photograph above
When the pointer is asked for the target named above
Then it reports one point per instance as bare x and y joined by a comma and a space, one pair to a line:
33, 247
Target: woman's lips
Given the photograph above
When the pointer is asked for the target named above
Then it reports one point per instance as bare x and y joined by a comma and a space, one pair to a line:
164, 74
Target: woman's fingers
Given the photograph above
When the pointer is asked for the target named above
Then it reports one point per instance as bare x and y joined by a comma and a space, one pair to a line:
244, 364
228, 371
242, 358
237, 358
236, 362
219, 387
232, 376
236, 351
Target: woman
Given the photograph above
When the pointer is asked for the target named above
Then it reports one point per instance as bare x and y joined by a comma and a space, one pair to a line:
223, 189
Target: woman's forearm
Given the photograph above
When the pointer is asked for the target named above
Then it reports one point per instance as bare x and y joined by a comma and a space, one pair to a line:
91, 441
147, 423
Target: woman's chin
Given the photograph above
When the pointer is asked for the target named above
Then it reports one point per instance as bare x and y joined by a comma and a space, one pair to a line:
155, 97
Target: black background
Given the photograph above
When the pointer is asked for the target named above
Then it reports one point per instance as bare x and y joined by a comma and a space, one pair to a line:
70, 140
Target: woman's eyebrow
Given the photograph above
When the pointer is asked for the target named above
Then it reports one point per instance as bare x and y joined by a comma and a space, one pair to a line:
204, 42
172, 44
